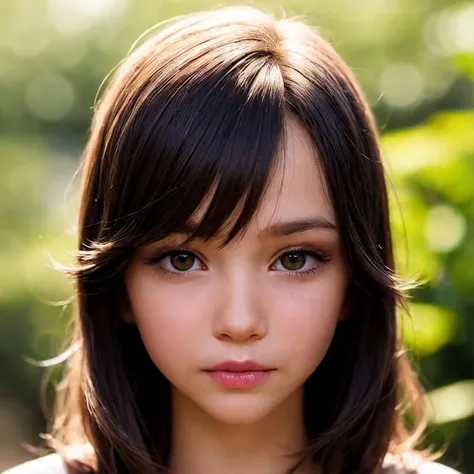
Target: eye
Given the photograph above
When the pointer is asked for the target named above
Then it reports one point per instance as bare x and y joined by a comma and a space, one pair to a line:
299, 261
180, 262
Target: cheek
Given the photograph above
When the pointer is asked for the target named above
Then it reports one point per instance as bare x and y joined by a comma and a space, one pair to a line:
168, 321
308, 316
307, 336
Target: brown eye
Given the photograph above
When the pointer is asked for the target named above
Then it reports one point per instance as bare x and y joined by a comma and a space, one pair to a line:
293, 261
182, 262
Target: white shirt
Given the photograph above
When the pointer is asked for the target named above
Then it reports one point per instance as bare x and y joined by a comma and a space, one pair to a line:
53, 464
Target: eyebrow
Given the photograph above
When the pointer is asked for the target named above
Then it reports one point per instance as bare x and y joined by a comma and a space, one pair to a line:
300, 225
279, 228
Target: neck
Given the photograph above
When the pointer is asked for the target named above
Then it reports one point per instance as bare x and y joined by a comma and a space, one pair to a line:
203, 445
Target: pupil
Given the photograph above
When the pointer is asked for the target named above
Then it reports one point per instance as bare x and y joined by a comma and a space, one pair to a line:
294, 261
182, 261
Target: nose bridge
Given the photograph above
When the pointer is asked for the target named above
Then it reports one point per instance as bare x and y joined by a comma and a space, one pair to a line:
239, 317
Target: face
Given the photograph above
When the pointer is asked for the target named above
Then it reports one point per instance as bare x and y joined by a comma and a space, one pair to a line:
265, 306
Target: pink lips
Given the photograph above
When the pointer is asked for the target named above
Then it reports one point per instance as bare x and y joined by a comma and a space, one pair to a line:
239, 375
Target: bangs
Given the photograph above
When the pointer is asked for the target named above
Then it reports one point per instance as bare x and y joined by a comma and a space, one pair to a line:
212, 137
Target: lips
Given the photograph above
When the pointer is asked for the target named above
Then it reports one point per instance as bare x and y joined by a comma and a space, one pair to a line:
239, 366
239, 375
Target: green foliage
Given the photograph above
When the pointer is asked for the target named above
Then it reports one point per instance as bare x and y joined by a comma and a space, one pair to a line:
431, 168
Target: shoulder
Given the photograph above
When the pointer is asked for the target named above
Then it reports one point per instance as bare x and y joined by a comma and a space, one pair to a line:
414, 464
50, 464
435, 468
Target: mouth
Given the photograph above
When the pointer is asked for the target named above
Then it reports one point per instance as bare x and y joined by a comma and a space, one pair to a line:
239, 375
239, 366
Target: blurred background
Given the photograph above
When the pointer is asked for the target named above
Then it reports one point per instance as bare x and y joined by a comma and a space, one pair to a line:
415, 61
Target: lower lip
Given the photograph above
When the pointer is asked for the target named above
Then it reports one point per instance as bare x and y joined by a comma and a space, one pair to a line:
240, 380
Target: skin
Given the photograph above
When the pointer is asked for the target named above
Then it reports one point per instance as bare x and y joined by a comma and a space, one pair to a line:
250, 300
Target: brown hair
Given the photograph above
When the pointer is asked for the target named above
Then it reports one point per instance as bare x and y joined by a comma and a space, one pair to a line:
201, 106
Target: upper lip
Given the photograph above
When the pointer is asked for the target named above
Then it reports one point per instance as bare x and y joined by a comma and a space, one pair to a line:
238, 366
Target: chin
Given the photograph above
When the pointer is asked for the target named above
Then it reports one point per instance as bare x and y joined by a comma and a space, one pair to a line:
238, 408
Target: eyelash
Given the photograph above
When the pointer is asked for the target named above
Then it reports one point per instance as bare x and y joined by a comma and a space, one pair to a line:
321, 257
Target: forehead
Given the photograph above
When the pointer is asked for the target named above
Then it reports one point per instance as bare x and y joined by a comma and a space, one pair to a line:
297, 190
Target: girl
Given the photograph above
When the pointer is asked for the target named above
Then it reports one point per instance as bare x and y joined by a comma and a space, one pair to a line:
236, 291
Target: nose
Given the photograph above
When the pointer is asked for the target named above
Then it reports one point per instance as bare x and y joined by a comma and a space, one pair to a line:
239, 317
